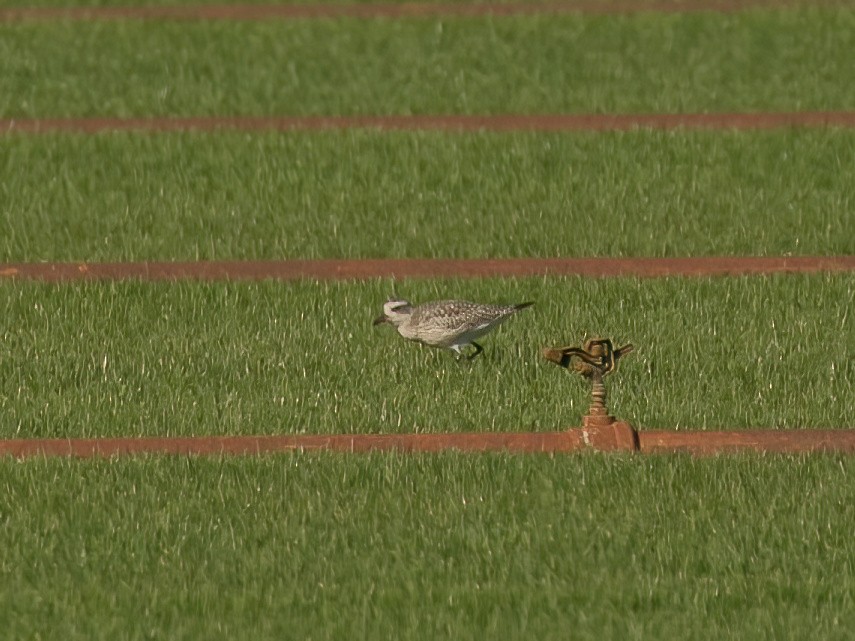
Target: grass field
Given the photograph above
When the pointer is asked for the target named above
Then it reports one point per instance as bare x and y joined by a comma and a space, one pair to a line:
442, 546
756, 60
130, 359
369, 194
426, 547
641, 4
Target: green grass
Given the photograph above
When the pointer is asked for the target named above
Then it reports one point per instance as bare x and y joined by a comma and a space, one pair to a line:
159, 3
444, 546
427, 547
756, 60
367, 194
144, 3
182, 359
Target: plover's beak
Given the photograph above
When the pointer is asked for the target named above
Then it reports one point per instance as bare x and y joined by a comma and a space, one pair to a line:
380, 319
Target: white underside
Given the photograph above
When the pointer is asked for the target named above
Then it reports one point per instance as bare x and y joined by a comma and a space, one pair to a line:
453, 341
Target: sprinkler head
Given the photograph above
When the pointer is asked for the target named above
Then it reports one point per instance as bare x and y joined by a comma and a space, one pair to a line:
594, 360
596, 356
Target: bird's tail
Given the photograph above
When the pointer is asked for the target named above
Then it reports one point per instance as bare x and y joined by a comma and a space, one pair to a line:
523, 305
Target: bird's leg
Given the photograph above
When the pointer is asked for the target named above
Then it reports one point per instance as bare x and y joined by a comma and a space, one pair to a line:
478, 350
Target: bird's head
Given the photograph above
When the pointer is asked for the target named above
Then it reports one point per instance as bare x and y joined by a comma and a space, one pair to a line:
395, 312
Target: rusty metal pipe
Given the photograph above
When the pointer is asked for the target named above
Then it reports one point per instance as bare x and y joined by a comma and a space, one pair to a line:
766, 440
566, 441
360, 269
618, 436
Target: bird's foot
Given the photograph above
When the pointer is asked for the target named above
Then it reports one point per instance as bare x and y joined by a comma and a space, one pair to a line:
478, 350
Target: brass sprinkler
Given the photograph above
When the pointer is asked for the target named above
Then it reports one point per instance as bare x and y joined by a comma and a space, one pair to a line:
594, 360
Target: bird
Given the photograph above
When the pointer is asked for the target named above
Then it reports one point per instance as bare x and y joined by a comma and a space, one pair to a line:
451, 324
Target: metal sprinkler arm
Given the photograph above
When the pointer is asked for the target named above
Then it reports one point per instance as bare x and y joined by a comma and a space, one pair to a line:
595, 359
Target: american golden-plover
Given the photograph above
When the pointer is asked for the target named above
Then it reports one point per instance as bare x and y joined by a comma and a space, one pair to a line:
452, 324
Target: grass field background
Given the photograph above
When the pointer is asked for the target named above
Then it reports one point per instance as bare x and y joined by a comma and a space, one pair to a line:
747, 61
366, 194
441, 546
426, 547
169, 359
639, 4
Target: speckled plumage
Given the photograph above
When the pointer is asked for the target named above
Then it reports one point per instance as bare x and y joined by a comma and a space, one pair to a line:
451, 324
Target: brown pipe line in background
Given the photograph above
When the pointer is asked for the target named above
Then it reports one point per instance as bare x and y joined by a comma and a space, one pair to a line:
370, 268
619, 436
436, 122
393, 10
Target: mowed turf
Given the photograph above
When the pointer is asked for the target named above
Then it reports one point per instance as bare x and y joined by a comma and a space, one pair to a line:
368, 194
445, 546
126, 359
426, 547
745, 61
583, 7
